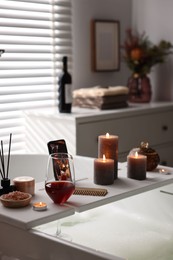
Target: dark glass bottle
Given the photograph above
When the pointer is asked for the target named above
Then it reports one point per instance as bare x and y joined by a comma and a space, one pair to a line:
65, 89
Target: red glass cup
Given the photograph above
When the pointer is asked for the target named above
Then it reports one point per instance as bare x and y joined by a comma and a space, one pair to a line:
60, 177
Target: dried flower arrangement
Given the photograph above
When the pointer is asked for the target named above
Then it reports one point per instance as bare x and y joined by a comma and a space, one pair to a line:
140, 54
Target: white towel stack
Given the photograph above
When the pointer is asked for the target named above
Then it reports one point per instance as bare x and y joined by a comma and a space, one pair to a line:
101, 97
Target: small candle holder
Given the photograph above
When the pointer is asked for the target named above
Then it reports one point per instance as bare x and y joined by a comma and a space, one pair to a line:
25, 184
39, 206
108, 146
153, 157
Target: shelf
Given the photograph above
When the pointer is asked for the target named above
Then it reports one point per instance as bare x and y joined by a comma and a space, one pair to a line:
27, 218
123, 187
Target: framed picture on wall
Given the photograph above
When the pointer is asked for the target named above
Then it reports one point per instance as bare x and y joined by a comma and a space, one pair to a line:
105, 45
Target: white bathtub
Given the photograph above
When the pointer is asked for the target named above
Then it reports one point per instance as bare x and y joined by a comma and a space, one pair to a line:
136, 228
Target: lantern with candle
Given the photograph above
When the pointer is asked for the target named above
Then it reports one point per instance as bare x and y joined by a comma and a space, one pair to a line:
103, 171
153, 158
108, 146
136, 165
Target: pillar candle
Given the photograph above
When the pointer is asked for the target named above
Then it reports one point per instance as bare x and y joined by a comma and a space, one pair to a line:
108, 145
103, 171
136, 166
25, 184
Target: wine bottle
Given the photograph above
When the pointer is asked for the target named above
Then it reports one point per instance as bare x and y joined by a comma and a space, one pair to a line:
65, 89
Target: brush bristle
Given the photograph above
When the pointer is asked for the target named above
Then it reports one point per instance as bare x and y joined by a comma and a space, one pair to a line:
90, 191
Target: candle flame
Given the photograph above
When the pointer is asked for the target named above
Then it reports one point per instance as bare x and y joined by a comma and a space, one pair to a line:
40, 203
104, 157
136, 154
162, 170
107, 135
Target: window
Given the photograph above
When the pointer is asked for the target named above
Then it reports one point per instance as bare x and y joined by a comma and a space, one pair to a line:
35, 34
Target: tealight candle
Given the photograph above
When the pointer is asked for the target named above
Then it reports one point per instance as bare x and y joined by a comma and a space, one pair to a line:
164, 171
25, 184
103, 171
39, 206
108, 145
136, 166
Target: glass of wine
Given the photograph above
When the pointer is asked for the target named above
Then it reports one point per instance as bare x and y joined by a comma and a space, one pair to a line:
60, 177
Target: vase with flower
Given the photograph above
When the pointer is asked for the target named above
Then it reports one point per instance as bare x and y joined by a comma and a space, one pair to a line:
140, 55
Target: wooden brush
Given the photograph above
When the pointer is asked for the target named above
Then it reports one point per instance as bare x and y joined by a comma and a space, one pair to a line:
90, 191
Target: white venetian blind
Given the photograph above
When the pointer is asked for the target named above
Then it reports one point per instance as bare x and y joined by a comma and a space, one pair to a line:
35, 34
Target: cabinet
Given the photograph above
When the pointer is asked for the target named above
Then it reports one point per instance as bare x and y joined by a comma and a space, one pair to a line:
144, 122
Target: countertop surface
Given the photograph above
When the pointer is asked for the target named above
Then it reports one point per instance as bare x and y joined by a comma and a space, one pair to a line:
123, 187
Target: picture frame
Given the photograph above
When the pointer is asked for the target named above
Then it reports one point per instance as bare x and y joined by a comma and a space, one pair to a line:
105, 45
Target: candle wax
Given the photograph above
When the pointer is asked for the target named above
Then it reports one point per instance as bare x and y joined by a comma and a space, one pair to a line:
103, 171
25, 184
39, 206
108, 145
136, 167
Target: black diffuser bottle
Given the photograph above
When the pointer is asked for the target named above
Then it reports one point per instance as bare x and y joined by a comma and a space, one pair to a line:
65, 89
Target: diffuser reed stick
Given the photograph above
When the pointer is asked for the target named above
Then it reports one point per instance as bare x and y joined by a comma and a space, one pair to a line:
3, 172
9, 150
4, 169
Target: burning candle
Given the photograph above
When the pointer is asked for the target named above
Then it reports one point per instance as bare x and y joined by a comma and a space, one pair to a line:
136, 166
103, 171
25, 184
39, 206
108, 145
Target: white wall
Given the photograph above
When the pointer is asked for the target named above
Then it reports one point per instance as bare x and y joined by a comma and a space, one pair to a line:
83, 12
155, 17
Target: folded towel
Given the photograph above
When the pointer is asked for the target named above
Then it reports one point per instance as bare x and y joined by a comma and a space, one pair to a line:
100, 91
106, 102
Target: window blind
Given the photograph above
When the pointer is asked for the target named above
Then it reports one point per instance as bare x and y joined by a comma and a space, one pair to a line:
35, 35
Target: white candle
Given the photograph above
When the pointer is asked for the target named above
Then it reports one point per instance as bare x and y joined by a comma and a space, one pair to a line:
108, 145
39, 206
103, 171
25, 184
136, 166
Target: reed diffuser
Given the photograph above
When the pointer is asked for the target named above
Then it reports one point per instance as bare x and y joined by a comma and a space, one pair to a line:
4, 170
